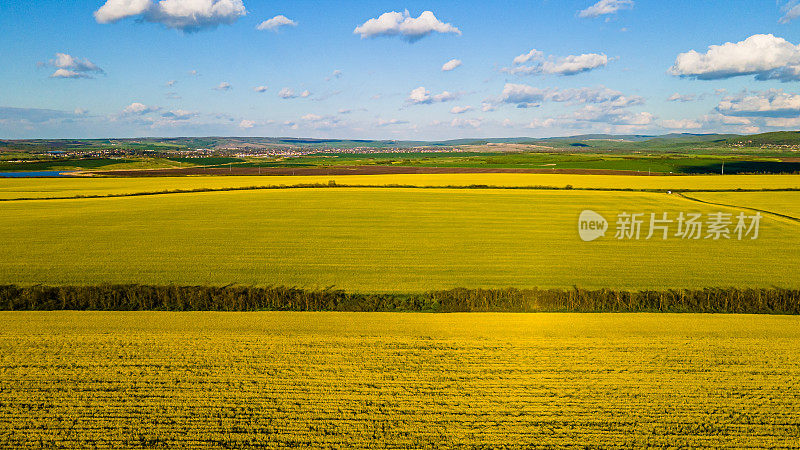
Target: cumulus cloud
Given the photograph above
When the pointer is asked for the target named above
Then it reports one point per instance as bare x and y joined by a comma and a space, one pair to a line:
613, 115
683, 98
276, 23
766, 56
68, 66
260, 89
287, 93
543, 123
422, 96
774, 103
451, 65
319, 122
139, 109
605, 7
532, 55
245, 124
179, 114
185, 15
681, 124
402, 24
524, 96
555, 65
305, 94
224, 86
460, 109
465, 123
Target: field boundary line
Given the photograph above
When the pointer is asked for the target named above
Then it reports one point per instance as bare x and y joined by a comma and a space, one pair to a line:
784, 216
402, 186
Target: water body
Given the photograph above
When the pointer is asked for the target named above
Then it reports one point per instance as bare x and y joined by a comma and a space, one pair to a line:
45, 173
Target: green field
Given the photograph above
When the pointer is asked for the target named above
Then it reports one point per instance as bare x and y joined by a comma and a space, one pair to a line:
379, 380
378, 240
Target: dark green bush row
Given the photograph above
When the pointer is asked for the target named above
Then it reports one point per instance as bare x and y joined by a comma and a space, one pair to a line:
248, 298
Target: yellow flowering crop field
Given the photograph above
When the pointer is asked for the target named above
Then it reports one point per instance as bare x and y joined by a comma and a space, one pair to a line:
394, 380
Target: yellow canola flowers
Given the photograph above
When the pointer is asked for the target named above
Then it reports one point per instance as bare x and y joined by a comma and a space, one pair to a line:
372, 380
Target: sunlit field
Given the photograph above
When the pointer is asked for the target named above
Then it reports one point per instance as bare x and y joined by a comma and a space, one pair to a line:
70, 187
344, 380
380, 240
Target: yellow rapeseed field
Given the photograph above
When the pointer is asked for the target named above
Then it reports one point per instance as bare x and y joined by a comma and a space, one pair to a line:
67, 187
380, 240
388, 380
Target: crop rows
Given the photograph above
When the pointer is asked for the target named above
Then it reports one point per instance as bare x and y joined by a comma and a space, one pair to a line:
188, 380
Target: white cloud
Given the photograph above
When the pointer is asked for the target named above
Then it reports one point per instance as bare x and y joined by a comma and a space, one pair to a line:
791, 11
613, 115
532, 55
179, 114
64, 73
245, 124
774, 103
286, 93
260, 89
681, 124
305, 94
68, 66
465, 123
171, 83
605, 7
553, 65
114, 10
276, 23
318, 122
460, 109
524, 96
335, 75
139, 109
224, 86
184, 15
451, 65
683, 98
422, 96
792, 123
542, 123
402, 24
766, 56
386, 123
194, 73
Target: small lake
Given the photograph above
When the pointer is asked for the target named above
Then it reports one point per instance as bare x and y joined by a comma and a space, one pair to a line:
46, 173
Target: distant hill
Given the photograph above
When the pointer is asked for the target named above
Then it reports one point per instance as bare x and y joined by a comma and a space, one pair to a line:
767, 139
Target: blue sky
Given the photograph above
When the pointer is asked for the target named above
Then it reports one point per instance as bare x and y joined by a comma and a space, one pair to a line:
130, 68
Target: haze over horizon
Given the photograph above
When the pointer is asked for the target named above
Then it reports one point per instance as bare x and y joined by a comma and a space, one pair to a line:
381, 70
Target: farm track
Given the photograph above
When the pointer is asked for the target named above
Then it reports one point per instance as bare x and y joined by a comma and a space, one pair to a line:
784, 216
